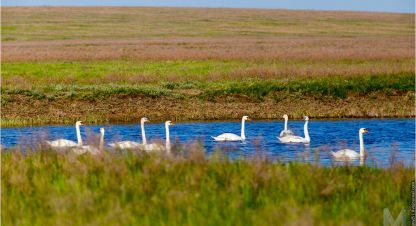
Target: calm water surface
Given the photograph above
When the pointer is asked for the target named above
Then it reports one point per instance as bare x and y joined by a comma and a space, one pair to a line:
386, 138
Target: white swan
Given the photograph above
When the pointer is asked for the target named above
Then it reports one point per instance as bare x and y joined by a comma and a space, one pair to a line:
348, 154
160, 147
63, 143
131, 144
286, 131
232, 136
298, 139
89, 148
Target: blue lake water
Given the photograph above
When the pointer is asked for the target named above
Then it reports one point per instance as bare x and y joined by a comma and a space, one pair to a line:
387, 137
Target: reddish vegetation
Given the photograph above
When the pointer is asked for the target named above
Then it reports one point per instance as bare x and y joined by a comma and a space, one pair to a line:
279, 48
95, 33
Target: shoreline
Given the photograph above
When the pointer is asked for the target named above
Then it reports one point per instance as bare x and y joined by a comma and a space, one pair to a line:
208, 121
22, 110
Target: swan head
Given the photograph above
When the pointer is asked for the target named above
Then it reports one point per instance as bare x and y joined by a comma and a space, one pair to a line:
144, 119
363, 130
102, 130
246, 118
78, 123
169, 123
285, 116
306, 118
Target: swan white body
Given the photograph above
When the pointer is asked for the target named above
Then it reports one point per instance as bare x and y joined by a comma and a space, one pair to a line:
232, 136
126, 145
286, 131
63, 143
348, 154
298, 139
345, 153
132, 144
89, 148
229, 137
152, 147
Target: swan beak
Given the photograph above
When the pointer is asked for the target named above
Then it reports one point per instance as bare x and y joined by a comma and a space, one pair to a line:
366, 131
248, 119
172, 123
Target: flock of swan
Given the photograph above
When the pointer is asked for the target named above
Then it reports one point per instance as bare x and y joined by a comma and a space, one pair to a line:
286, 136
79, 148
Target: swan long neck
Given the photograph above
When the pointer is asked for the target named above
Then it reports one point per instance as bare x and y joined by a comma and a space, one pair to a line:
102, 141
143, 133
306, 131
79, 138
167, 137
243, 134
286, 123
362, 152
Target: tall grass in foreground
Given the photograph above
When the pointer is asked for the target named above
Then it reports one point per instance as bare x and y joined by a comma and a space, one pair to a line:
49, 188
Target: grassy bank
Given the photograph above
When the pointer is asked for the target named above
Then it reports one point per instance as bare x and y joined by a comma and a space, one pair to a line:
320, 97
255, 86
46, 188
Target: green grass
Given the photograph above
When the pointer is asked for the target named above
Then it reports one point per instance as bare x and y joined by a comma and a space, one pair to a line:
87, 72
139, 72
47, 188
335, 86
212, 78
256, 89
86, 92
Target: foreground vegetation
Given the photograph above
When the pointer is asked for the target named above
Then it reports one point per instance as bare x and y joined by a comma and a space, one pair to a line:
188, 188
112, 64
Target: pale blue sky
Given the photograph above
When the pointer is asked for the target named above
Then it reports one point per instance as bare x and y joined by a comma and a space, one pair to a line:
407, 6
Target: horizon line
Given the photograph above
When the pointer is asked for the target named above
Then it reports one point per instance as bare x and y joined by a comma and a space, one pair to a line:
216, 7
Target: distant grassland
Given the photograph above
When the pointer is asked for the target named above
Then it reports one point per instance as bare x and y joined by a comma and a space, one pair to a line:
120, 33
118, 23
330, 64
49, 188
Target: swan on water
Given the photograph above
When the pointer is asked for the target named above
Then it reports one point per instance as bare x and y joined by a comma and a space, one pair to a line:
132, 144
89, 148
232, 136
286, 131
348, 154
160, 147
298, 139
63, 143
